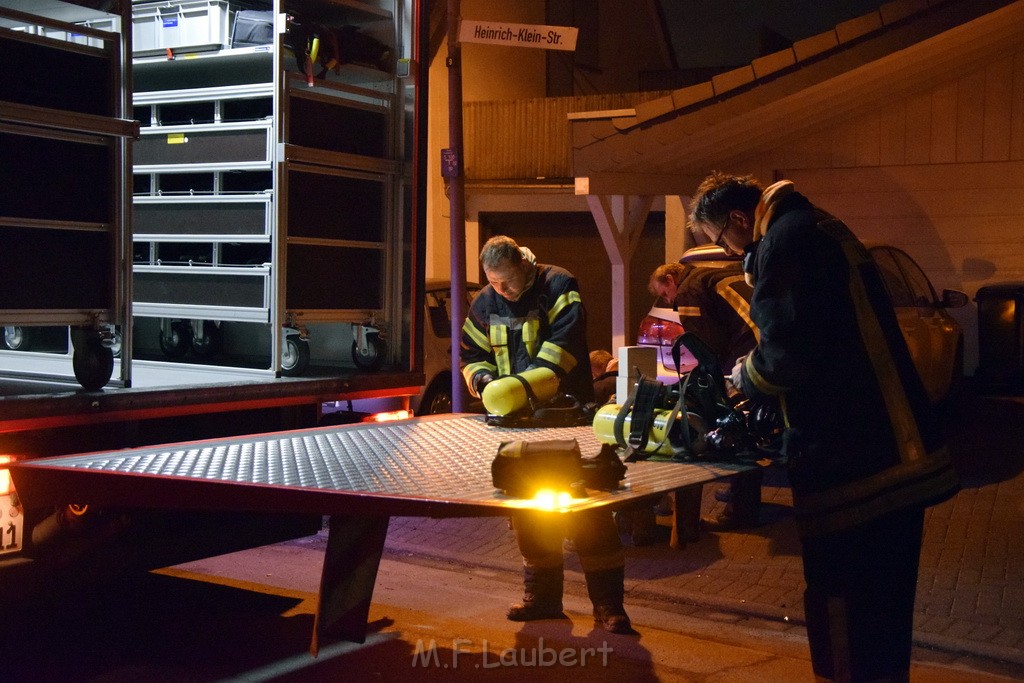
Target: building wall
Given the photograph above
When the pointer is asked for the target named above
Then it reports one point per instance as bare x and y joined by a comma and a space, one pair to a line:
940, 175
489, 72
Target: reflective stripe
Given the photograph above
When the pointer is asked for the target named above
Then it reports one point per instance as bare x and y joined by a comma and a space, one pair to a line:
475, 335
473, 368
556, 355
896, 402
531, 332
737, 302
688, 311
572, 297
763, 385
499, 343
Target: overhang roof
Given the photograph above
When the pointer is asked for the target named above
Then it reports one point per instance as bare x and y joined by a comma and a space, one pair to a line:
666, 145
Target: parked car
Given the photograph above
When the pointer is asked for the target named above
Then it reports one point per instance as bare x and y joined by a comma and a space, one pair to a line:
436, 396
934, 337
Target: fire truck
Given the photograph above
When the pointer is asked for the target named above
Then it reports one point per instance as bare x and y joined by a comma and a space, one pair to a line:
212, 211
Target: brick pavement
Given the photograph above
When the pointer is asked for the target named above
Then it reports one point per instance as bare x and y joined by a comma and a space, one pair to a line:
970, 600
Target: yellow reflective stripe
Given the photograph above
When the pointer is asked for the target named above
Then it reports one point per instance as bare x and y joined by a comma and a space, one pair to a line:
737, 302
475, 335
896, 403
556, 355
688, 311
531, 332
561, 302
473, 368
762, 385
499, 343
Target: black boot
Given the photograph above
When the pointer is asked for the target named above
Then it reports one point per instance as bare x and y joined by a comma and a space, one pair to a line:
606, 589
645, 529
542, 595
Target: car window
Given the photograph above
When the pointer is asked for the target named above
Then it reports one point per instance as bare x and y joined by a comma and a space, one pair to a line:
920, 288
899, 291
439, 312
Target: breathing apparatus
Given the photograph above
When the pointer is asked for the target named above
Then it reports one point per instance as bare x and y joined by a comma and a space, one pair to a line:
685, 421
512, 393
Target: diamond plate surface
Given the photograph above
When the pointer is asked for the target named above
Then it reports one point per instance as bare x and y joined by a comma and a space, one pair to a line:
437, 459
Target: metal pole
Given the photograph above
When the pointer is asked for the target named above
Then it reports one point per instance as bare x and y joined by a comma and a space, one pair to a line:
456, 189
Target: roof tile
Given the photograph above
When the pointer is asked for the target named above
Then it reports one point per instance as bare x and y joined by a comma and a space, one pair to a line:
684, 97
776, 61
808, 47
730, 80
901, 9
858, 26
652, 109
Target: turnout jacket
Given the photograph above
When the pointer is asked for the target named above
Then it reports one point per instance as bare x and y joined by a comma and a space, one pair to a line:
714, 304
863, 437
546, 327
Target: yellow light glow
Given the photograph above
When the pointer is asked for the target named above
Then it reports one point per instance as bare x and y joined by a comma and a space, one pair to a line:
6, 485
388, 416
546, 499
1008, 312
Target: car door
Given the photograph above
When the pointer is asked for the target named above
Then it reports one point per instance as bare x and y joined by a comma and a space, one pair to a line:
938, 331
908, 315
931, 334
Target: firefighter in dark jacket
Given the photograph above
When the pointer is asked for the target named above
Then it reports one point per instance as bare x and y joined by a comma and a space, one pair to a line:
714, 304
524, 341
866, 456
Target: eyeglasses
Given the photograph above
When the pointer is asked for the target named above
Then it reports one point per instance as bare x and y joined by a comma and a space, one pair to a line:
721, 233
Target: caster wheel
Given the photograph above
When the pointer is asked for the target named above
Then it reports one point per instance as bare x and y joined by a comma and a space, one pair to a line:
294, 356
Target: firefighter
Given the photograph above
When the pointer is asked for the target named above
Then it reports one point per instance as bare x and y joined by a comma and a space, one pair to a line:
524, 328
865, 452
714, 304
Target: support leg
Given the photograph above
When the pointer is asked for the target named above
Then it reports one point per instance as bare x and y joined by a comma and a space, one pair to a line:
354, 548
685, 516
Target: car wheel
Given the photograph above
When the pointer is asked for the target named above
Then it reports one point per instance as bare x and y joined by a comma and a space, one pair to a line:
294, 355
176, 341
437, 399
18, 338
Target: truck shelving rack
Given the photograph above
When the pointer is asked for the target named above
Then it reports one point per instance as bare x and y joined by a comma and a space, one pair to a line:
64, 200
272, 202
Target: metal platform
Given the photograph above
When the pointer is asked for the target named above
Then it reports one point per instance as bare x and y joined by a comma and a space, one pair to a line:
432, 466
361, 475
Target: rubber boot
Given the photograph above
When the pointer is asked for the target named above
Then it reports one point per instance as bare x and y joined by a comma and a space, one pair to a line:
606, 589
542, 595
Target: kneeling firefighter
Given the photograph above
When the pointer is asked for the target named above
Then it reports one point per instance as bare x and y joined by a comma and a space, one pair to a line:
524, 342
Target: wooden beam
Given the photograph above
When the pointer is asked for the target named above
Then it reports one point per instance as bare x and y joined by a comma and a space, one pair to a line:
620, 221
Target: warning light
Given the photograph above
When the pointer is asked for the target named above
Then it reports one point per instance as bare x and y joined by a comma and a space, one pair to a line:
547, 499
388, 416
6, 485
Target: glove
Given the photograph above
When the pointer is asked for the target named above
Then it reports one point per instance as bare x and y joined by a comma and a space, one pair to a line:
737, 374
481, 380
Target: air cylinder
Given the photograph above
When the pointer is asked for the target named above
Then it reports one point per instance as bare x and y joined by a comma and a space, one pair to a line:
604, 429
507, 395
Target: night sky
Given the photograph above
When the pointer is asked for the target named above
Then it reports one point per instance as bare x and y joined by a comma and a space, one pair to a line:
722, 32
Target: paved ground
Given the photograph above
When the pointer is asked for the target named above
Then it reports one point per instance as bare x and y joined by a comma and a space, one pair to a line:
970, 600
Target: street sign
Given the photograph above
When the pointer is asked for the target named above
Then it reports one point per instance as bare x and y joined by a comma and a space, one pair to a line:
518, 35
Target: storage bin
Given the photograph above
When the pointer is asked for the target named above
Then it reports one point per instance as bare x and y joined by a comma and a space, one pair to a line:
192, 25
252, 27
